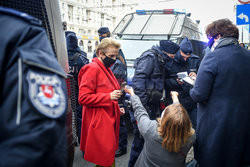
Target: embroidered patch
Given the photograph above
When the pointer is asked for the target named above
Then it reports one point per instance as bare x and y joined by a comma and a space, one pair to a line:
46, 94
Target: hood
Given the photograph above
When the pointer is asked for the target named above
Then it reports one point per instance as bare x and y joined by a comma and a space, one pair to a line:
71, 40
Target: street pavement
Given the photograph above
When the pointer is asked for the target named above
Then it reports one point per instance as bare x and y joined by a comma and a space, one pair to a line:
120, 161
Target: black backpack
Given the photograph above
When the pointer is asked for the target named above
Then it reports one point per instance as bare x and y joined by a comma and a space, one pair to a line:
74, 67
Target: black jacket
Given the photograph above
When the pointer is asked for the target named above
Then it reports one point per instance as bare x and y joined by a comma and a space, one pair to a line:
33, 98
179, 65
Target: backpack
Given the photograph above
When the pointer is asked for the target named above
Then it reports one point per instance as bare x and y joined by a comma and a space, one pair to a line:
75, 66
161, 62
154, 95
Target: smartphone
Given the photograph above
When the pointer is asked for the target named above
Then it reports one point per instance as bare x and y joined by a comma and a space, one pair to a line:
128, 87
123, 86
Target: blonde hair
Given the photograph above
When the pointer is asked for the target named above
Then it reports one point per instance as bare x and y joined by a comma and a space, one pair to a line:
105, 43
175, 127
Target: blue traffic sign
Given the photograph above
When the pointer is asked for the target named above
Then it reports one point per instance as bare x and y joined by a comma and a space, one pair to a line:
243, 14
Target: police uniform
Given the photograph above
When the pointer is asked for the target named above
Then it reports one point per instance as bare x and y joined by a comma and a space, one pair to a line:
119, 70
33, 95
77, 59
148, 84
180, 65
101, 31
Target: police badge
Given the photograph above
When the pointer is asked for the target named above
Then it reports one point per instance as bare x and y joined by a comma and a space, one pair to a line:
46, 94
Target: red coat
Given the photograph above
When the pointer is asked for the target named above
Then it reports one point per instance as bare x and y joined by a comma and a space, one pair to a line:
100, 114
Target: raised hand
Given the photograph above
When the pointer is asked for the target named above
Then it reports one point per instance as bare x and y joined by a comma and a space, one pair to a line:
128, 89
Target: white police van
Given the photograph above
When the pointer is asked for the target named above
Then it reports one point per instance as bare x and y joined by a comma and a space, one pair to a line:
139, 31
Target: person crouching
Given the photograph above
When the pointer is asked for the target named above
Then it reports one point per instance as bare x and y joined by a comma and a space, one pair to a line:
168, 140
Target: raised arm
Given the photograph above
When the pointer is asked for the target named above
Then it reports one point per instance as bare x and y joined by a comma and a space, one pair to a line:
140, 112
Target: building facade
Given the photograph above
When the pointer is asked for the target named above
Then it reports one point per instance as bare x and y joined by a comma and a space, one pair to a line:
85, 17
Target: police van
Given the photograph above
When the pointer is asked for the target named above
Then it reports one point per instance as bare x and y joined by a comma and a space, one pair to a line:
139, 31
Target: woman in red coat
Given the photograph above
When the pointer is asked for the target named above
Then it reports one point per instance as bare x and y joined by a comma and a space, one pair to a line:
98, 94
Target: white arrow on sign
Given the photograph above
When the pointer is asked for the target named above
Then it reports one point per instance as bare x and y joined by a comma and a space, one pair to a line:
242, 16
244, 1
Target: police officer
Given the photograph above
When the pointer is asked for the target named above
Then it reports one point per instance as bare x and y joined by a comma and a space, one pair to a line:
119, 70
77, 59
33, 95
184, 61
148, 84
103, 32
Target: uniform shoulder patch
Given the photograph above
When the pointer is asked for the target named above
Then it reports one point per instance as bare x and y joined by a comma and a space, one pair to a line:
46, 94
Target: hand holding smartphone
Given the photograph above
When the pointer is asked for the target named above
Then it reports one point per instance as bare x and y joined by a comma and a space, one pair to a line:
128, 89
123, 86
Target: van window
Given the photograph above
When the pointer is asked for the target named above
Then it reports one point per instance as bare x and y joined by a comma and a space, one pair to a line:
156, 25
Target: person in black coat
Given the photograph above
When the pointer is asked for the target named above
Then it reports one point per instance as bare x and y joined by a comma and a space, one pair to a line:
77, 59
184, 61
119, 70
33, 95
222, 91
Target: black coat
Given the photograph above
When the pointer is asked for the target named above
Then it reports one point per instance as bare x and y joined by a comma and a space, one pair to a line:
148, 79
223, 119
180, 65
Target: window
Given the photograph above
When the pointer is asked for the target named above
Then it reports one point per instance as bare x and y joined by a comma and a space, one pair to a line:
102, 19
70, 12
87, 15
80, 31
146, 26
89, 46
114, 21
83, 11
81, 43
